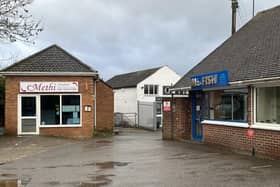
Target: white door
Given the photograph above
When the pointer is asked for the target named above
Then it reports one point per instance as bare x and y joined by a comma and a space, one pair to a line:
28, 115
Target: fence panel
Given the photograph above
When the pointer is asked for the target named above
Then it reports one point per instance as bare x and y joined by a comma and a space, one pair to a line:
125, 119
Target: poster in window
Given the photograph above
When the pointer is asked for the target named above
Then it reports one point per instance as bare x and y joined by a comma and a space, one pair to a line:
166, 106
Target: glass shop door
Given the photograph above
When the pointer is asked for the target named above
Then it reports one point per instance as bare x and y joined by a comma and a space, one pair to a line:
28, 115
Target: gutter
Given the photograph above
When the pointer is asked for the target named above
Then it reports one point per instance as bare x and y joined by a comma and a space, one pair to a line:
50, 73
253, 81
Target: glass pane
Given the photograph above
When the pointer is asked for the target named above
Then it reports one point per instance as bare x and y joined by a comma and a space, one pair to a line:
50, 110
28, 125
268, 105
158, 122
239, 107
28, 106
71, 109
198, 128
146, 89
205, 110
159, 106
151, 89
156, 89
198, 106
226, 107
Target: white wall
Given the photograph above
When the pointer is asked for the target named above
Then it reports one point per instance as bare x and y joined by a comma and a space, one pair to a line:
125, 100
163, 77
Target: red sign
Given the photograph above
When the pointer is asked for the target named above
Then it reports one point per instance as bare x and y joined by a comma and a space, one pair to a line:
250, 133
49, 87
166, 106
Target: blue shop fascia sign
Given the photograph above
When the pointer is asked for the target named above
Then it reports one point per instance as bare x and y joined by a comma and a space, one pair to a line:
210, 80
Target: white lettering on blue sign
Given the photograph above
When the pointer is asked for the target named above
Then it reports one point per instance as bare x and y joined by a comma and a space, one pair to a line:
210, 80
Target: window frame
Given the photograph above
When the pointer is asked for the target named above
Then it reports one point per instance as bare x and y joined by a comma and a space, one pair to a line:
260, 125
232, 109
60, 108
155, 88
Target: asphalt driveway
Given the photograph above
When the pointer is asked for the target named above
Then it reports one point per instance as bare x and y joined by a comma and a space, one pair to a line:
133, 158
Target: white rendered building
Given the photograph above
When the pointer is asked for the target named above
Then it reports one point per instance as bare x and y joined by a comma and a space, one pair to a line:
142, 87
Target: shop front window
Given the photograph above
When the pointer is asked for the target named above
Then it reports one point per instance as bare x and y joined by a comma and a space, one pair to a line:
226, 105
71, 109
268, 105
50, 110
60, 110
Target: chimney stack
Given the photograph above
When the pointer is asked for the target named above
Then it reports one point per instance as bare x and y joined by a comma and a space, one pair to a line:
234, 6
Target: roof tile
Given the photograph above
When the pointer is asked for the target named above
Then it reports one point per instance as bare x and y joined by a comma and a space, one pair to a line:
130, 79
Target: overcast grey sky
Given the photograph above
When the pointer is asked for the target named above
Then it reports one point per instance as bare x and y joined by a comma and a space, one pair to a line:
118, 36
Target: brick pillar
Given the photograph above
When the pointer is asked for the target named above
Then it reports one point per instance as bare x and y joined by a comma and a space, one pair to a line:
166, 121
181, 120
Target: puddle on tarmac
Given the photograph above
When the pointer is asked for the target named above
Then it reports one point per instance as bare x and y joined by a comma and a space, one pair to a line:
8, 175
110, 165
101, 165
96, 181
53, 183
103, 141
62, 166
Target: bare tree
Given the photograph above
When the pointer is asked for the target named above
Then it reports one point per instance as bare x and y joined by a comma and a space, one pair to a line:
16, 23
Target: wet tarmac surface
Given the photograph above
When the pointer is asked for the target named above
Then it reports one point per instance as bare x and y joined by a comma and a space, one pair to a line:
134, 158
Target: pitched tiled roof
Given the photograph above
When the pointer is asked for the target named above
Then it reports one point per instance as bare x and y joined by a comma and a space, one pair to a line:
251, 53
51, 59
129, 80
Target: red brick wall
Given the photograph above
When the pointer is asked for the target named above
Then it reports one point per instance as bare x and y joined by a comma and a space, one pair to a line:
105, 107
86, 88
181, 126
266, 142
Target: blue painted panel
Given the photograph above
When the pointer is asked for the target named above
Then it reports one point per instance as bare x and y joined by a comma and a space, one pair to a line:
210, 80
195, 119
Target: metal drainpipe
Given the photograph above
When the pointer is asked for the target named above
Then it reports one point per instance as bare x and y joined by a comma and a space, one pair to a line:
252, 99
95, 104
172, 119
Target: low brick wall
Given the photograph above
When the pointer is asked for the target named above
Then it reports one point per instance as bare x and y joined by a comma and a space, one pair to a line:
180, 129
265, 142
68, 132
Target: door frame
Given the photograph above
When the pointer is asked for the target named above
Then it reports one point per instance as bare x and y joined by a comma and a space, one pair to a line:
37, 117
194, 117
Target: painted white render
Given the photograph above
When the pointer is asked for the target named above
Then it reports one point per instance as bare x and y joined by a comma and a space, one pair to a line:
125, 100
163, 77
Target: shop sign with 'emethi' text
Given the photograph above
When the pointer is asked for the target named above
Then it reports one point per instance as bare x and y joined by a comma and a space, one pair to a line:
210, 80
49, 87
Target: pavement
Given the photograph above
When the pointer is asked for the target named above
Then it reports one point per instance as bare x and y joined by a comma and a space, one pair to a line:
132, 158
